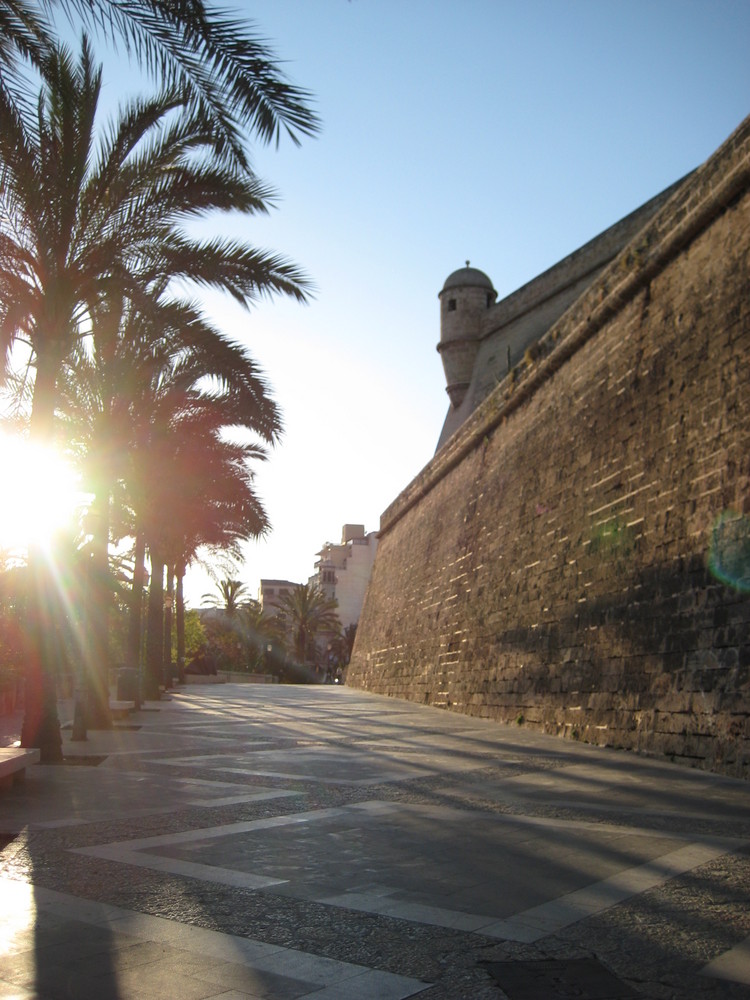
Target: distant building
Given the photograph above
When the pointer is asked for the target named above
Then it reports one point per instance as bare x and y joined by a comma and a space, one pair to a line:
271, 593
342, 571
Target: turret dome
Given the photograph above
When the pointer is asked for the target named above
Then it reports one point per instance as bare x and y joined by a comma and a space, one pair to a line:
468, 277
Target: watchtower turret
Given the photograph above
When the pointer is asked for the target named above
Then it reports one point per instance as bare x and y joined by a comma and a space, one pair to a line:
466, 295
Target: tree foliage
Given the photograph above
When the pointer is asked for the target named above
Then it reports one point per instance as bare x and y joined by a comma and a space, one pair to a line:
85, 218
92, 241
230, 597
219, 62
305, 613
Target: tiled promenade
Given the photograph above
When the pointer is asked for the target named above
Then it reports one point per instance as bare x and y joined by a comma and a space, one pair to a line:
248, 841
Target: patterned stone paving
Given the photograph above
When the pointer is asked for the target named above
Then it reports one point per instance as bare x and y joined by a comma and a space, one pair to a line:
282, 842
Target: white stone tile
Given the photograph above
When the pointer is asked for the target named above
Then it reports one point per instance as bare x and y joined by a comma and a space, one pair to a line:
733, 965
372, 985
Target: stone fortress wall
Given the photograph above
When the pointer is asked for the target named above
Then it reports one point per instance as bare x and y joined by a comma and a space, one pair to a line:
576, 556
504, 331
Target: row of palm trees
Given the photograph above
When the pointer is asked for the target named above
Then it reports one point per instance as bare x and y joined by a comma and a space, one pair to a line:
95, 259
303, 615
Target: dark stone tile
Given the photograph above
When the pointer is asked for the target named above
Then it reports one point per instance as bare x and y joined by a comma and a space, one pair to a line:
575, 979
66, 946
57, 983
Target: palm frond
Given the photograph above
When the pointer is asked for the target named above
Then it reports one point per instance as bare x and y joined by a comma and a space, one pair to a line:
225, 68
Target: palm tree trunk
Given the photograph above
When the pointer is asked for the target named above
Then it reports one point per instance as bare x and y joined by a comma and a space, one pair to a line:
135, 614
99, 715
41, 724
180, 613
41, 421
168, 605
155, 628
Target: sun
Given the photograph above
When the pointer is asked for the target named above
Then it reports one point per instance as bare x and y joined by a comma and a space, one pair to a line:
39, 495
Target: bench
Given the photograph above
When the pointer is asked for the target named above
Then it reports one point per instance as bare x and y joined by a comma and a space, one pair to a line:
13, 764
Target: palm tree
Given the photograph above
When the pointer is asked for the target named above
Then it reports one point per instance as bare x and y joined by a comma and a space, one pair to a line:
218, 61
304, 613
216, 517
232, 596
259, 632
78, 222
189, 486
230, 512
143, 375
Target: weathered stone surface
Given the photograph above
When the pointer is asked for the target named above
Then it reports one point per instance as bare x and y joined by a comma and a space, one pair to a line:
567, 557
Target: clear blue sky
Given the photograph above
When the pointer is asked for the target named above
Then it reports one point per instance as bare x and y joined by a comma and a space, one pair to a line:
507, 132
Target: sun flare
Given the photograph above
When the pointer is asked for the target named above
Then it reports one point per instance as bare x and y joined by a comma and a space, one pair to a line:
39, 494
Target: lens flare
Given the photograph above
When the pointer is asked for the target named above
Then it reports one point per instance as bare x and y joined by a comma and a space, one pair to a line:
39, 494
729, 555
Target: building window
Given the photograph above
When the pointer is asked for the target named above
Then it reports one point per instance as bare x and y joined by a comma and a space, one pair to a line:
451, 305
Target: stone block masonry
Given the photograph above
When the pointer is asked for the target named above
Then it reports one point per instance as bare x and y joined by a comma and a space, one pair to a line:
576, 558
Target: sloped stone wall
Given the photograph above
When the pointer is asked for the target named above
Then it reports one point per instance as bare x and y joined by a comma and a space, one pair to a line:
572, 559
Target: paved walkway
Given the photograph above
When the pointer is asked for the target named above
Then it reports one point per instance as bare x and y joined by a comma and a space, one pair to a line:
248, 841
